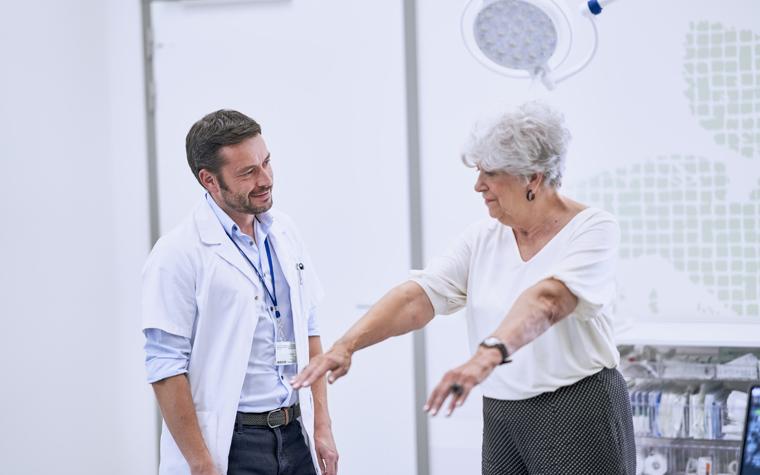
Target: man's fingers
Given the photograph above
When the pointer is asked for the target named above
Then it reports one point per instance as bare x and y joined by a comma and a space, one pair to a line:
332, 464
328, 462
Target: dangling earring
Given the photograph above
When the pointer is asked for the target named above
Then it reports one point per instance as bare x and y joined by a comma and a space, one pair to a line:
530, 196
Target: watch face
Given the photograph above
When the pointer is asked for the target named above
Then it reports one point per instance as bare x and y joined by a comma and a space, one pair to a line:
491, 341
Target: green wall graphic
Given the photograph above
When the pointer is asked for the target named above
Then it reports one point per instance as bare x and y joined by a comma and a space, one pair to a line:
721, 71
676, 206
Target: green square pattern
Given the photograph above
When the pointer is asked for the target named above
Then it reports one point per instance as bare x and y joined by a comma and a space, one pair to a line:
721, 69
676, 207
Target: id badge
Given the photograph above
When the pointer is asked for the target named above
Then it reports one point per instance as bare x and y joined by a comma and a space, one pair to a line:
285, 353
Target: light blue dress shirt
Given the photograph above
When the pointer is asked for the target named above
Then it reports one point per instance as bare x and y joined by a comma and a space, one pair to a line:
266, 385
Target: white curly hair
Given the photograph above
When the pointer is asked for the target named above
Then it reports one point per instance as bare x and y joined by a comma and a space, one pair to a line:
533, 139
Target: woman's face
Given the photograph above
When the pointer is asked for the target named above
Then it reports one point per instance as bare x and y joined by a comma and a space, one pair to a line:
504, 195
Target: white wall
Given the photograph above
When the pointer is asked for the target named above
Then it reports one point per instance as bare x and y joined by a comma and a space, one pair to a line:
73, 238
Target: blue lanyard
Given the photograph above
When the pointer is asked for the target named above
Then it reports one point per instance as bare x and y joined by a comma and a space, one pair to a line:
273, 294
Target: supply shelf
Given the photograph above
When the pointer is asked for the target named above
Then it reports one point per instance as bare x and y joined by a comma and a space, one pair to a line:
688, 405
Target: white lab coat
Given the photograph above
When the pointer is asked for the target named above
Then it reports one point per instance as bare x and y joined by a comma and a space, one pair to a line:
197, 285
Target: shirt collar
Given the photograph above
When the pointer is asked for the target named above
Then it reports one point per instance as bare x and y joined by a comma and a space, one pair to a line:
265, 220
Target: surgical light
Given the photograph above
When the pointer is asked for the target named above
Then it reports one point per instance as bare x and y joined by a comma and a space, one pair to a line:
515, 34
526, 38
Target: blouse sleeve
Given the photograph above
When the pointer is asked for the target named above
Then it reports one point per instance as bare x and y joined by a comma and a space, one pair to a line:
588, 266
444, 280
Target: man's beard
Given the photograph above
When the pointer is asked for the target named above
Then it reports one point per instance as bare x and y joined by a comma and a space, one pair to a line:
241, 202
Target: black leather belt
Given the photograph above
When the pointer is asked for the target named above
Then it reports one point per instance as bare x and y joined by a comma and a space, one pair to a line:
276, 418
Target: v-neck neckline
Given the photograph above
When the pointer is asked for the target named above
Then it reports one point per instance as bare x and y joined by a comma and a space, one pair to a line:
549, 242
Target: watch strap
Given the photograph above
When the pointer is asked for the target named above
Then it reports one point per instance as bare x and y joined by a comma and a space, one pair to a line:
499, 345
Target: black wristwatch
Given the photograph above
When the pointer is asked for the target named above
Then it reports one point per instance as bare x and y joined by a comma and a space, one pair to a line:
493, 342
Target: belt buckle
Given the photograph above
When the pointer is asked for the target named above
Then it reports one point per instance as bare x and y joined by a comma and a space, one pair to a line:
269, 414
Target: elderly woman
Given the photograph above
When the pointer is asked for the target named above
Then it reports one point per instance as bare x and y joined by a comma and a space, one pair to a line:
537, 281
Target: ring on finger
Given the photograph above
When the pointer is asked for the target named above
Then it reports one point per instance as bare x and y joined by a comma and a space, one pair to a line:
456, 389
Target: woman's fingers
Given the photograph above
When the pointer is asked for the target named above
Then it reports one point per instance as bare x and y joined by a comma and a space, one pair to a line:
436, 398
303, 378
318, 367
461, 397
333, 363
456, 384
453, 400
447, 386
337, 373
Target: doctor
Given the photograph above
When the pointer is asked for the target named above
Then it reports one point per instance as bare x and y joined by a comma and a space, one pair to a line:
229, 301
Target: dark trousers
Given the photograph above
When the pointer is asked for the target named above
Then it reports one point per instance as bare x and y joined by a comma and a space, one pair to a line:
585, 428
264, 451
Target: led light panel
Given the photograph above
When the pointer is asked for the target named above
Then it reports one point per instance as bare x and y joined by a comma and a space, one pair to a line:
515, 34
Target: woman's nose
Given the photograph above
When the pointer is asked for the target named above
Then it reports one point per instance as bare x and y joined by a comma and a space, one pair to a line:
479, 185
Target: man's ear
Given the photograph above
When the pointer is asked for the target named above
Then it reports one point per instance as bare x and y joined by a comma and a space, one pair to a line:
208, 181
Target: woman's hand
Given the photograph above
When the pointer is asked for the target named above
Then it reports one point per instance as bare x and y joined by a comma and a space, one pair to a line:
459, 381
336, 361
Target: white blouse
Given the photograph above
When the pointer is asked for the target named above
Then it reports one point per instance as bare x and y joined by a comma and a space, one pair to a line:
484, 273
